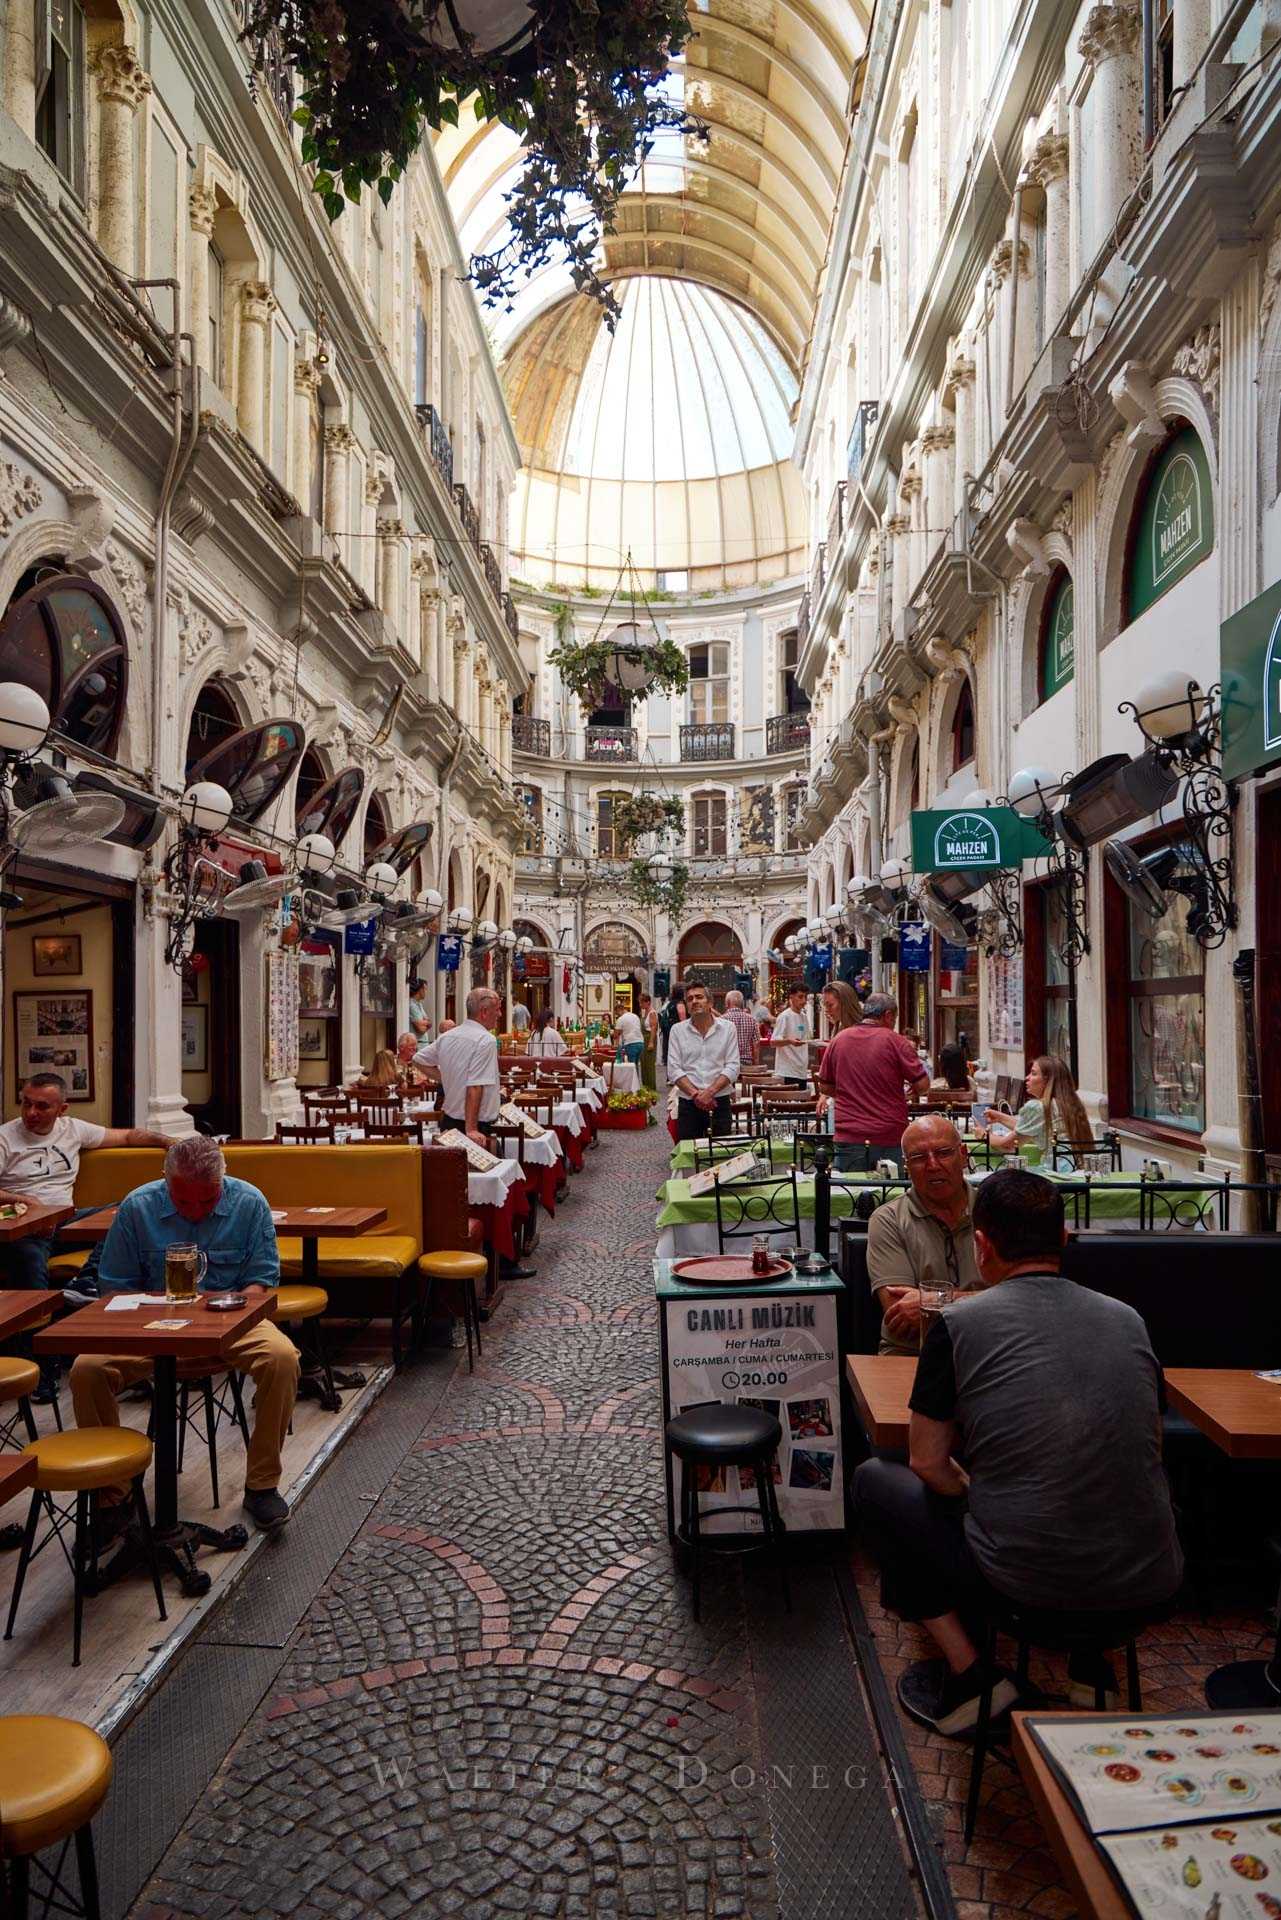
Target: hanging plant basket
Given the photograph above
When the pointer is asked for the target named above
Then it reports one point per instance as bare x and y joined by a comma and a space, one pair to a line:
575, 81
665, 890
638, 816
654, 666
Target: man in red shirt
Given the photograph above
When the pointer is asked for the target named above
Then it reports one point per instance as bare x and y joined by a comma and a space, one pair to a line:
866, 1070
745, 1027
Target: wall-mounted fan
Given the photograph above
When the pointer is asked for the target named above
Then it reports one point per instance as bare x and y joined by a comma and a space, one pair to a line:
257, 889
1143, 882
947, 924
348, 908
51, 813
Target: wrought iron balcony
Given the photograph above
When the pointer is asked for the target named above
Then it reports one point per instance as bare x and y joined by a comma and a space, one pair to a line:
467, 513
605, 744
532, 736
787, 733
708, 740
493, 572
511, 617
442, 447
275, 75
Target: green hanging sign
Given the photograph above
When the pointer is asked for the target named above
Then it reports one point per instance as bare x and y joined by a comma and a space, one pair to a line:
1058, 662
1250, 670
1176, 524
966, 839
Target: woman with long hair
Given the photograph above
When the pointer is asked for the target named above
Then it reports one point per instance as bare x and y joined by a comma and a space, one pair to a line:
841, 1005
545, 1042
384, 1073
954, 1073
1051, 1111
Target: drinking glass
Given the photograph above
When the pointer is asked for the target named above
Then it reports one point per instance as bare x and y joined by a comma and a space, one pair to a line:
185, 1268
935, 1295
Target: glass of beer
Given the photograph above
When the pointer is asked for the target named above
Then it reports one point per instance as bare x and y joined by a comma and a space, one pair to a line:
185, 1268
935, 1295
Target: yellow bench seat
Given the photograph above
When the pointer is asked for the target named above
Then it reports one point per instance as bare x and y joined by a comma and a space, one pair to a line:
381, 1256
67, 1264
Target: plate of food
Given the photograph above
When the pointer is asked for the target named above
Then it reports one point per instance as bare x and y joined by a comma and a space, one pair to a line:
12, 1209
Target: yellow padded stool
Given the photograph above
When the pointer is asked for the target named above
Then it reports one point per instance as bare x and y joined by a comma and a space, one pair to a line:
54, 1776
298, 1306
467, 1269
83, 1462
24, 1343
18, 1381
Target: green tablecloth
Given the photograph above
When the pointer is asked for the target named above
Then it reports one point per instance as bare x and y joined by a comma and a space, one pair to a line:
1113, 1196
784, 1152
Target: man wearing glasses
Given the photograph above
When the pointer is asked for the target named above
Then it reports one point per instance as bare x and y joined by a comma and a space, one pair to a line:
926, 1234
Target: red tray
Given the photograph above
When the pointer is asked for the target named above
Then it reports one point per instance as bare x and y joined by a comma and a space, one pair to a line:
728, 1270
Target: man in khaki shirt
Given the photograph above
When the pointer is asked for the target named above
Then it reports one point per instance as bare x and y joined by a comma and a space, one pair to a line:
927, 1232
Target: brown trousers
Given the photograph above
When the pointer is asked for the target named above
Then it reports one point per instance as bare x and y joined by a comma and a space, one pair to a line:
264, 1352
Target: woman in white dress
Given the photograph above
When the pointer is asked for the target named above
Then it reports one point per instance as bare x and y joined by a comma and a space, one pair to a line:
545, 1043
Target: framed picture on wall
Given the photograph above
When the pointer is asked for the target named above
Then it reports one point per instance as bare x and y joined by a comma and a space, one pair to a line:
53, 1033
313, 1039
55, 953
378, 990
190, 992
318, 982
195, 1039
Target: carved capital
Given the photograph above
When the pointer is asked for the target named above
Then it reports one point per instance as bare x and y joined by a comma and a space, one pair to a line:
1050, 159
937, 439
897, 524
306, 376
391, 531
122, 80
339, 439
1110, 32
257, 303
1003, 257
202, 208
960, 372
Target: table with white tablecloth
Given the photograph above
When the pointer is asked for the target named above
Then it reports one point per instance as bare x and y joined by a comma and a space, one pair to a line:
544, 1160
498, 1196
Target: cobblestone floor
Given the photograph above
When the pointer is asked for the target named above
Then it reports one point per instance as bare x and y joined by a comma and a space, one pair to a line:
496, 1699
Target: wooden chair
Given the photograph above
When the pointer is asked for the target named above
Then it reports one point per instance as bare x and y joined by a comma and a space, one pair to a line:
404, 1132
319, 1135
500, 1134
541, 1105
378, 1113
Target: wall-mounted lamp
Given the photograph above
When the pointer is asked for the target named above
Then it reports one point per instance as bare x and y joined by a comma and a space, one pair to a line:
1183, 728
195, 884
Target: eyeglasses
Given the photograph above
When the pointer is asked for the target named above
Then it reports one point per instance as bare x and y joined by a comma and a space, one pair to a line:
926, 1156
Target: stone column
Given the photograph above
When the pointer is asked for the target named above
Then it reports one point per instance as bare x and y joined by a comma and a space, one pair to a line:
1050, 171
1016, 325
936, 450
391, 534
1191, 33
461, 675
339, 442
898, 528
122, 87
20, 66
157, 1035
1109, 42
306, 387
257, 304
960, 380
428, 618
202, 206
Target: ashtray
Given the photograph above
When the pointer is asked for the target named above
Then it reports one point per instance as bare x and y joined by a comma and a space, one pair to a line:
225, 1302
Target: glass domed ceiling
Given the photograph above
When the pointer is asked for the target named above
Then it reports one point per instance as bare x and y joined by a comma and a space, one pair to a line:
669, 438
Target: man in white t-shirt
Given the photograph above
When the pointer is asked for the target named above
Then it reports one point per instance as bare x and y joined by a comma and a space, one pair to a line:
630, 1035
470, 1089
791, 1040
39, 1161
520, 1017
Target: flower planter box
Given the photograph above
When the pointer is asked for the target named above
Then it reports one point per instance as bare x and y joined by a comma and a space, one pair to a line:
631, 1120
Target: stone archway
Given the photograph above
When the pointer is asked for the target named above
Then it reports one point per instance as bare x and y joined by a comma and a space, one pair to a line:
709, 955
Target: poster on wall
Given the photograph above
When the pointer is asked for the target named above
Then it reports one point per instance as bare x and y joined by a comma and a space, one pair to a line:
1005, 1000
778, 1353
378, 990
53, 1033
281, 1024
318, 982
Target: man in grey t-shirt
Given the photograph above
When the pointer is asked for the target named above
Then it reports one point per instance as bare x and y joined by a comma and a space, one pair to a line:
1051, 1396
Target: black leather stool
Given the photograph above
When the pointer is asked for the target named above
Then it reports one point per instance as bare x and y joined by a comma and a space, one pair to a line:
715, 1434
1091, 1634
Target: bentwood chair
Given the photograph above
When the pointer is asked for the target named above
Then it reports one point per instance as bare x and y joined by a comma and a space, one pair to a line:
727, 1146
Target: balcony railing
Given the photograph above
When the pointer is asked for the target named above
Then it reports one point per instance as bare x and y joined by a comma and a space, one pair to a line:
708, 740
818, 573
803, 623
836, 516
510, 616
532, 736
467, 513
605, 744
787, 733
275, 75
492, 571
864, 421
442, 447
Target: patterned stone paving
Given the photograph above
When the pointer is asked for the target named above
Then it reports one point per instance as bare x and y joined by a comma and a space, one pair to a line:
497, 1699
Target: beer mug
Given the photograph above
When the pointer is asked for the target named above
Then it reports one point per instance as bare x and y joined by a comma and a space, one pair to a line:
185, 1268
935, 1295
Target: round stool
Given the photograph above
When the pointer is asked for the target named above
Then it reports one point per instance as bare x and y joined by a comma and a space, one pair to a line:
18, 1381
717, 1435
213, 1385
467, 1269
54, 1776
302, 1307
84, 1462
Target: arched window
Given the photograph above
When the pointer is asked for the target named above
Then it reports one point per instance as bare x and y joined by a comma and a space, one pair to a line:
254, 766
62, 637
327, 807
377, 828
1173, 528
962, 734
1056, 644
214, 720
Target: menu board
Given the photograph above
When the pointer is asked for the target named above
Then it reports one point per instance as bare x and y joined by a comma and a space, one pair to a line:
1005, 1000
735, 1168
280, 1041
1187, 1811
477, 1158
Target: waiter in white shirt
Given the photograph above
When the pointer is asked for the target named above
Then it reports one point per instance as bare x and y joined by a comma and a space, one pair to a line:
791, 1039
467, 1062
702, 1064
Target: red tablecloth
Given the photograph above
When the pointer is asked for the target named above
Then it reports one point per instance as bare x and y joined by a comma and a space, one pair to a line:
498, 1224
575, 1145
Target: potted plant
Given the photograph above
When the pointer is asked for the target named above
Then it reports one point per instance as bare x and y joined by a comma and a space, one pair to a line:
576, 82
627, 1112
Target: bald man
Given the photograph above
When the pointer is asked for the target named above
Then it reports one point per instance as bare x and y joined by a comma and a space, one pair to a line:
928, 1232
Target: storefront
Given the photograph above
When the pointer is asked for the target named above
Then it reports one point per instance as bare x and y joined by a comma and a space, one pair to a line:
532, 971
616, 967
710, 956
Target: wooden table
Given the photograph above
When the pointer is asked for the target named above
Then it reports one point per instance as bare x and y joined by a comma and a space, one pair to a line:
17, 1473
1242, 1415
1085, 1872
23, 1307
190, 1331
310, 1224
882, 1386
37, 1219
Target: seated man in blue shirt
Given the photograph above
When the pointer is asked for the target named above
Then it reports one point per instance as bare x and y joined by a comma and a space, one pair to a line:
198, 1204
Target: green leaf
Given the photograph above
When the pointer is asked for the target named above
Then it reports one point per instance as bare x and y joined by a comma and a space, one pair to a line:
334, 204
385, 190
301, 117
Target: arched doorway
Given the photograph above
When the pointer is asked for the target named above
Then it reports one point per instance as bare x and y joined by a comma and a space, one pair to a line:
791, 973
377, 976
615, 970
532, 979
709, 956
